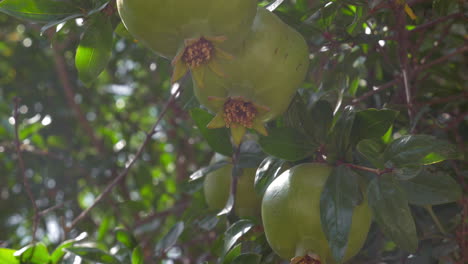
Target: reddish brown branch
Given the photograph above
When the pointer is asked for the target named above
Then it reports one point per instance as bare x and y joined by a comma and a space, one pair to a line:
372, 170
26, 184
435, 22
442, 59
124, 173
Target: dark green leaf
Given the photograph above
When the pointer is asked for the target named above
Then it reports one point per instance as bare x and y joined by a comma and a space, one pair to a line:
126, 238
372, 123
218, 139
93, 254
372, 150
407, 173
418, 150
236, 231
247, 258
321, 118
232, 254
169, 240
339, 196
432, 188
34, 254
6, 256
137, 256
39, 11
391, 211
268, 170
205, 170
59, 252
339, 141
95, 49
286, 143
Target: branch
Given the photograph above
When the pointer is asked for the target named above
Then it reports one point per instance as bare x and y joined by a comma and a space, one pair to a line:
23, 171
379, 172
435, 22
124, 173
442, 59
376, 89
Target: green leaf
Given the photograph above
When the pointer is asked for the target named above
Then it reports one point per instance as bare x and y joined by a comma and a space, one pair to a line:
339, 196
418, 150
391, 211
93, 254
7, 257
232, 254
33, 254
269, 169
59, 252
339, 141
247, 258
321, 119
218, 139
432, 188
372, 150
407, 173
205, 170
236, 231
169, 240
126, 238
286, 143
137, 256
39, 10
372, 123
95, 49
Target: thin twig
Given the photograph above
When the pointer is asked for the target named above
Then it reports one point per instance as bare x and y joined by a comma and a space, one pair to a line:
124, 173
50, 209
376, 89
26, 184
442, 59
379, 172
435, 22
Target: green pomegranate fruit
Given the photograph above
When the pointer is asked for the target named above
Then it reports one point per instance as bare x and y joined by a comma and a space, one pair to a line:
217, 187
164, 25
258, 84
291, 215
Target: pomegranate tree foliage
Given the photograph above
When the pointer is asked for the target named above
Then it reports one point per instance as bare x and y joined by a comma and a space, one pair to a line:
384, 101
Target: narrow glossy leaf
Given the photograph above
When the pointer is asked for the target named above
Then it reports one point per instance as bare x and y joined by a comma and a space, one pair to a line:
372, 150
286, 143
232, 254
6, 256
391, 211
407, 173
321, 118
137, 256
169, 240
247, 258
339, 196
95, 49
339, 141
208, 222
126, 238
372, 123
34, 254
93, 254
418, 150
236, 231
39, 11
205, 170
59, 252
432, 188
269, 169
218, 139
